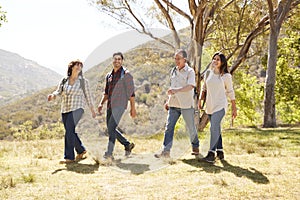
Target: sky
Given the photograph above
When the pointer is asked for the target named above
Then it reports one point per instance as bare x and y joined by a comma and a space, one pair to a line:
54, 32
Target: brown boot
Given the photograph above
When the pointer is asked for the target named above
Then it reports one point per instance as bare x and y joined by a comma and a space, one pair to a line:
195, 151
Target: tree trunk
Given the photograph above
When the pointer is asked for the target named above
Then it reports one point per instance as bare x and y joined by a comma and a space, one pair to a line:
269, 97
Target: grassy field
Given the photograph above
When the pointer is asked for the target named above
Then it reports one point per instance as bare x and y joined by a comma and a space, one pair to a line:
259, 164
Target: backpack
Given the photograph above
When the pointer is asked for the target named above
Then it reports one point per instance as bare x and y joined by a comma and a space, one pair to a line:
82, 85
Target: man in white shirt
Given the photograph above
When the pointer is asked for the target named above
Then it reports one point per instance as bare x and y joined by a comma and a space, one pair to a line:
181, 93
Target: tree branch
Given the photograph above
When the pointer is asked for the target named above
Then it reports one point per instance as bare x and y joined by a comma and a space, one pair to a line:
170, 23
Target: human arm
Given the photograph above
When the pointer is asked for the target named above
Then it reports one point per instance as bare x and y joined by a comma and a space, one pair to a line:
230, 93
233, 108
58, 91
182, 89
103, 100
88, 97
190, 83
132, 107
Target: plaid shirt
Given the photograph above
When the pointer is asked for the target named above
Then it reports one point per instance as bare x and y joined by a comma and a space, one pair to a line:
118, 89
72, 96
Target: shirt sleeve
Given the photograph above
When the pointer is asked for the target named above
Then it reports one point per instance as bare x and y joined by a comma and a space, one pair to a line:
88, 93
191, 77
229, 86
129, 85
58, 91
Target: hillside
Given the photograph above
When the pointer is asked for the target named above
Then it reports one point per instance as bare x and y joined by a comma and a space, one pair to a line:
150, 67
20, 77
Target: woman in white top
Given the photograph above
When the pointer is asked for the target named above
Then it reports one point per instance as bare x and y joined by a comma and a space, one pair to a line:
216, 88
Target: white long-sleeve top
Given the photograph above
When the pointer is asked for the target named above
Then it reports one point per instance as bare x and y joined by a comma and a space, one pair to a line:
218, 89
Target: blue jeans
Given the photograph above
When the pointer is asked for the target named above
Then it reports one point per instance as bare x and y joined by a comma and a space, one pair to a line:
113, 117
215, 130
72, 140
173, 116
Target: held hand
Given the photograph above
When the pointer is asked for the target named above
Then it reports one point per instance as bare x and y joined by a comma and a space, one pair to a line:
133, 112
50, 97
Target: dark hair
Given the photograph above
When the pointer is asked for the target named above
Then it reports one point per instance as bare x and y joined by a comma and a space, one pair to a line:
182, 52
118, 54
72, 64
224, 66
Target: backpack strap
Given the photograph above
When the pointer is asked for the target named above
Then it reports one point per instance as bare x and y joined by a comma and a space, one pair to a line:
82, 84
63, 82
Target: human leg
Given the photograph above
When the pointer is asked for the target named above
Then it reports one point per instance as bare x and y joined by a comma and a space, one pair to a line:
111, 127
77, 114
117, 115
215, 134
173, 115
215, 129
188, 116
69, 135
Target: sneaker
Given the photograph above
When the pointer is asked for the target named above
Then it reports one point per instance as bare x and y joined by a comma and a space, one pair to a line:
81, 156
195, 151
129, 148
210, 157
163, 154
220, 155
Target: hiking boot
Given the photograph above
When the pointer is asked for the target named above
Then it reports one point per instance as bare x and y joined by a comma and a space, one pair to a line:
195, 151
220, 155
129, 148
81, 156
163, 154
108, 157
66, 161
210, 157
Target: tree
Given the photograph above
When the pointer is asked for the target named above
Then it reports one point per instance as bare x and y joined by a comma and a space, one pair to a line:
276, 19
2, 16
204, 19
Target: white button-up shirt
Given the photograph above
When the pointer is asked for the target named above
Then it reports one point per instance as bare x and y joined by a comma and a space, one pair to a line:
179, 79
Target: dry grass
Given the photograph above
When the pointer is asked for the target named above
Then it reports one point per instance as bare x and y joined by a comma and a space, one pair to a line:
253, 169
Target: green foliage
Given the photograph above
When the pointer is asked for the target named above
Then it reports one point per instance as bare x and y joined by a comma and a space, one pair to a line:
26, 131
29, 178
249, 97
287, 90
2, 16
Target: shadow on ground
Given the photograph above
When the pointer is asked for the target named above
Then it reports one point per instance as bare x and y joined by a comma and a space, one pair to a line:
251, 173
134, 168
79, 168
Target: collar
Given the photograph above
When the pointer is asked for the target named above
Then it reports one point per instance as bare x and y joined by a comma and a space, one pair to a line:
185, 68
118, 71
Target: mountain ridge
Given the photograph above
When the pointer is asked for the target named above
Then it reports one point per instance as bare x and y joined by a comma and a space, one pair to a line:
21, 77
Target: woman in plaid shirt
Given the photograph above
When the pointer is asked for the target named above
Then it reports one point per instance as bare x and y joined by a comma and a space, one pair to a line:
75, 92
